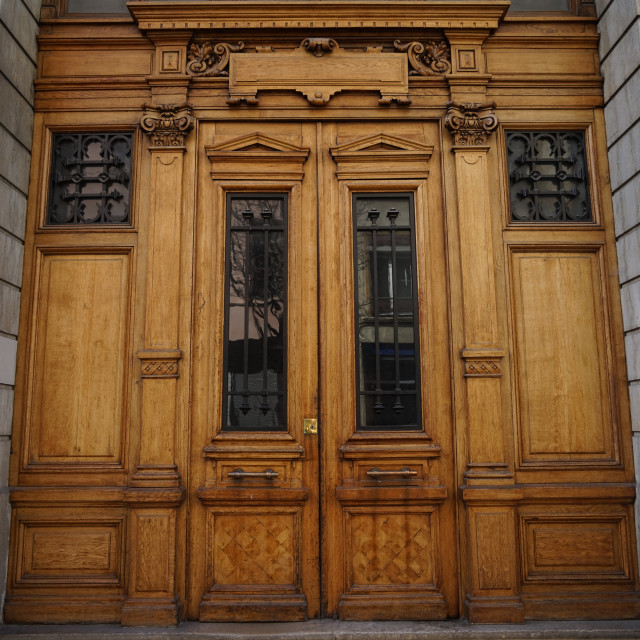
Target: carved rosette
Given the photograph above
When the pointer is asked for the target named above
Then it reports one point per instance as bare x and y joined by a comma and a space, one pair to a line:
167, 124
429, 59
471, 124
207, 59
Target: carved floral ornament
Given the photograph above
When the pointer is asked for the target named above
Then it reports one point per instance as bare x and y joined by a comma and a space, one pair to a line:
471, 124
429, 59
208, 60
167, 124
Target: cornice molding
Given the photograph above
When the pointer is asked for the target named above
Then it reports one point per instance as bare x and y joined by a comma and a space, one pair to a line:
350, 14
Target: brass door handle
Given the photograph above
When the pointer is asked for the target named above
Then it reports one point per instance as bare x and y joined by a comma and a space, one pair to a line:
405, 472
239, 474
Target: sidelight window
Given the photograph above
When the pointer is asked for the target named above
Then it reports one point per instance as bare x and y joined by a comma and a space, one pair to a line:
255, 314
387, 335
548, 176
90, 179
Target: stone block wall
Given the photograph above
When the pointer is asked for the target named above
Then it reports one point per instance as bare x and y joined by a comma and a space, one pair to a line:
18, 49
619, 26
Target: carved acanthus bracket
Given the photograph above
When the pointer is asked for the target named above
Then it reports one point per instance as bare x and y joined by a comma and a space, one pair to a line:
207, 59
471, 124
167, 124
429, 59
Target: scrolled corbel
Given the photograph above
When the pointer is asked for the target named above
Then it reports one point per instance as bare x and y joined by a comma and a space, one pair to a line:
429, 59
209, 60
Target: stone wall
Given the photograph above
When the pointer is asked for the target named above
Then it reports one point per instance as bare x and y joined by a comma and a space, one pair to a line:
18, 48
619, 26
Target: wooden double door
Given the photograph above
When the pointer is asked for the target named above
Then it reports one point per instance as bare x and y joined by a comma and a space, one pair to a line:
322, 475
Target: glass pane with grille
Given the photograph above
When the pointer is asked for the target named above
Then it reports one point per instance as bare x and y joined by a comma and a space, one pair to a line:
90, 179
255, 313
548, 176
386, 312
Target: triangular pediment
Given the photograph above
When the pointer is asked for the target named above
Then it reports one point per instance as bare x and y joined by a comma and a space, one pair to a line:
383, 144
257, 156
255, 143
382, 156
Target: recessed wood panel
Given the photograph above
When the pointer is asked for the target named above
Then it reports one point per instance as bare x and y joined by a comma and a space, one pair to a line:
71, 552
98, 63
575, 549
81, 355
492, 528
254, 548
540, 61
562, 357
390, 548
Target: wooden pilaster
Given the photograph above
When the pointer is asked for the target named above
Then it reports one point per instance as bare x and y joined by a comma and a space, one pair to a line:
155, 488
487, 489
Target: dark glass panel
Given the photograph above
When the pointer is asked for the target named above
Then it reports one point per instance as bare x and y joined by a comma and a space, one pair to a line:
97, 6
383, 204
407, 418
386, 323
90, 179
548, 176
539, 5
255, 319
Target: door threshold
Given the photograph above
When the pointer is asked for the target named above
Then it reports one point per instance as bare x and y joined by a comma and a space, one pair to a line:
328, 629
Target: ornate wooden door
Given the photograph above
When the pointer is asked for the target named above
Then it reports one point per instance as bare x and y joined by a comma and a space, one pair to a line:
321, 455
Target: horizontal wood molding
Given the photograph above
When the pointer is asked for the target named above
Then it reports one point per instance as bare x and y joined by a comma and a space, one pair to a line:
258, 14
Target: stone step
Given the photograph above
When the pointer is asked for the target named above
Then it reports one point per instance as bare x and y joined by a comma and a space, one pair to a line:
335, 630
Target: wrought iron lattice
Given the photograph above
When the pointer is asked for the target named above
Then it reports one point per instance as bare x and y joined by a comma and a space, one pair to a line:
90, 178
387, 355
548, 176
255, 313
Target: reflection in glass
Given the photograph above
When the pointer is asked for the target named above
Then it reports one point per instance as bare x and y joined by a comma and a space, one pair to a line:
386, 324
255, 315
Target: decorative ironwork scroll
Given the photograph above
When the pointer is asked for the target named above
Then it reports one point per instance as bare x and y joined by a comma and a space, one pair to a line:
167, 124
471, 124
90, 178
429, 59
548, 177
207, 59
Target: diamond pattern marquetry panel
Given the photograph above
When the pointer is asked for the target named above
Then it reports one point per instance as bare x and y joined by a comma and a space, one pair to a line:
255, 548
391, 549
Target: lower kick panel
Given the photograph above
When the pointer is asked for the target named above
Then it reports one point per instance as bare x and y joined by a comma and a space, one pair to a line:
240, 607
